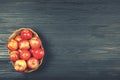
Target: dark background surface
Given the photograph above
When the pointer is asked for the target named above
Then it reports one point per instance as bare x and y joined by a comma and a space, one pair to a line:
81, 38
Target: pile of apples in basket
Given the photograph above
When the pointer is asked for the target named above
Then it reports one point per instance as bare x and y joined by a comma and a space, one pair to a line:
25, 50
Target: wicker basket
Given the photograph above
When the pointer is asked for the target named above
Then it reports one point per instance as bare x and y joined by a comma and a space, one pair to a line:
17, 32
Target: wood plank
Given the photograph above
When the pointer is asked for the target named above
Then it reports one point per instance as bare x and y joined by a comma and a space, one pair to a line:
80, 37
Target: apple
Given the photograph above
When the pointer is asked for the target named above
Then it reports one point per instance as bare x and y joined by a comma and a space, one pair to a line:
12, 45
24, 44
18, 38
14, 55
20, 65
24, 54
26, 34
38, 53
33, 63
35, 42
31, 50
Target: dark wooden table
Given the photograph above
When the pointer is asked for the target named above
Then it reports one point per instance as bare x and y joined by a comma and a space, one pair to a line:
81, 38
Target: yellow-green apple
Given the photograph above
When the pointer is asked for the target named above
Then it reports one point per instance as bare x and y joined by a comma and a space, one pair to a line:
35, 42
18, 38
33, 63
12, 44
14, 55
20, 65
24, 44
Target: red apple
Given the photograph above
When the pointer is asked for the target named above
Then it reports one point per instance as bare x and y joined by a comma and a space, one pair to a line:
12, 44
20, 65
24, 54
38, 53
18, 38
14, 55
26, 34
31, 50
33, 63
24, 44
35, 42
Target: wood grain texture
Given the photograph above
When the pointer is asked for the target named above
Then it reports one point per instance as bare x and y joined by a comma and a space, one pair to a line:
81, 38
